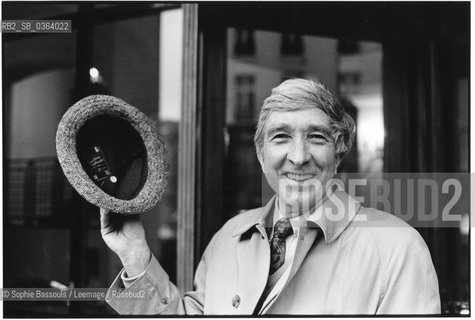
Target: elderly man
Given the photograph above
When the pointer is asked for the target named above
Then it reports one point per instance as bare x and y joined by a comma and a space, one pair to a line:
311, 250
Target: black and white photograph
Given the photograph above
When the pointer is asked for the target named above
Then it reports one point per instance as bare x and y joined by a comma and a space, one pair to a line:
236, 159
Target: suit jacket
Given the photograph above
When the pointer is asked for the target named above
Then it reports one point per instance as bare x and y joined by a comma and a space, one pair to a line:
350, 260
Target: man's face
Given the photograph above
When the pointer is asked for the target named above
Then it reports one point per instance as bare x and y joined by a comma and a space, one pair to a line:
298, 156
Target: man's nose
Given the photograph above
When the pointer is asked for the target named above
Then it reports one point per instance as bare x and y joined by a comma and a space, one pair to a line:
298, 153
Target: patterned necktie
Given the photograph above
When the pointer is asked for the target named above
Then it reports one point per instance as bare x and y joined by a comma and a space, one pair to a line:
282, 230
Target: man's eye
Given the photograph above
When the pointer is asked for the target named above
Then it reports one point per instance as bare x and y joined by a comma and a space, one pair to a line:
280, 137
318, 138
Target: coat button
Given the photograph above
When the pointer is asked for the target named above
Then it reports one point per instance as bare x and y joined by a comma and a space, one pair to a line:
236, 301
164, 301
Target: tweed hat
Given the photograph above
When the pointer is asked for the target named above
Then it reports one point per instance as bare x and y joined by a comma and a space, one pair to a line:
112, 154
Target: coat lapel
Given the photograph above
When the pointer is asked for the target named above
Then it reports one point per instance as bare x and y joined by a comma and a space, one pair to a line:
253, 259
306, 239
253, 269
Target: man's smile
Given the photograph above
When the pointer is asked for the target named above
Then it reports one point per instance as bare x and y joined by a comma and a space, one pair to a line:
299, 176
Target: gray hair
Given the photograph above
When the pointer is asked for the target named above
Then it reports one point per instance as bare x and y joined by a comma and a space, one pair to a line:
301, 94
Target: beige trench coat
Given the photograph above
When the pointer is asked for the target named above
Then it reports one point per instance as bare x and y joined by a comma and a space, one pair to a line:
365, 261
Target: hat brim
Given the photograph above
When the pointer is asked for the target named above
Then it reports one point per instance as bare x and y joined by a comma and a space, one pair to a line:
157, 156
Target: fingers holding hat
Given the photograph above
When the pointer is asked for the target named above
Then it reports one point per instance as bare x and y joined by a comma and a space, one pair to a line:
105, 221
122, 233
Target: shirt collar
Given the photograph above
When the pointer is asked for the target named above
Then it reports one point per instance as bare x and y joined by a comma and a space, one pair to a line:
332, 216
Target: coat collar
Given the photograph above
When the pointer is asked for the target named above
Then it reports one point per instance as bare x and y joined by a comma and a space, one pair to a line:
260, 217
332, 216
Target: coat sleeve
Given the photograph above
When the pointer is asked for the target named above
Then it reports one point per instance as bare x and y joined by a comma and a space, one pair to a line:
410, 281
154, 293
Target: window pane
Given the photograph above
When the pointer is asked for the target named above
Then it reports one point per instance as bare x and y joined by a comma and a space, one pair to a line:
137, 59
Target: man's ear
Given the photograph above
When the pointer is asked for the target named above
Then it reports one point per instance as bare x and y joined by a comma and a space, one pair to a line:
260, 157
338, 159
